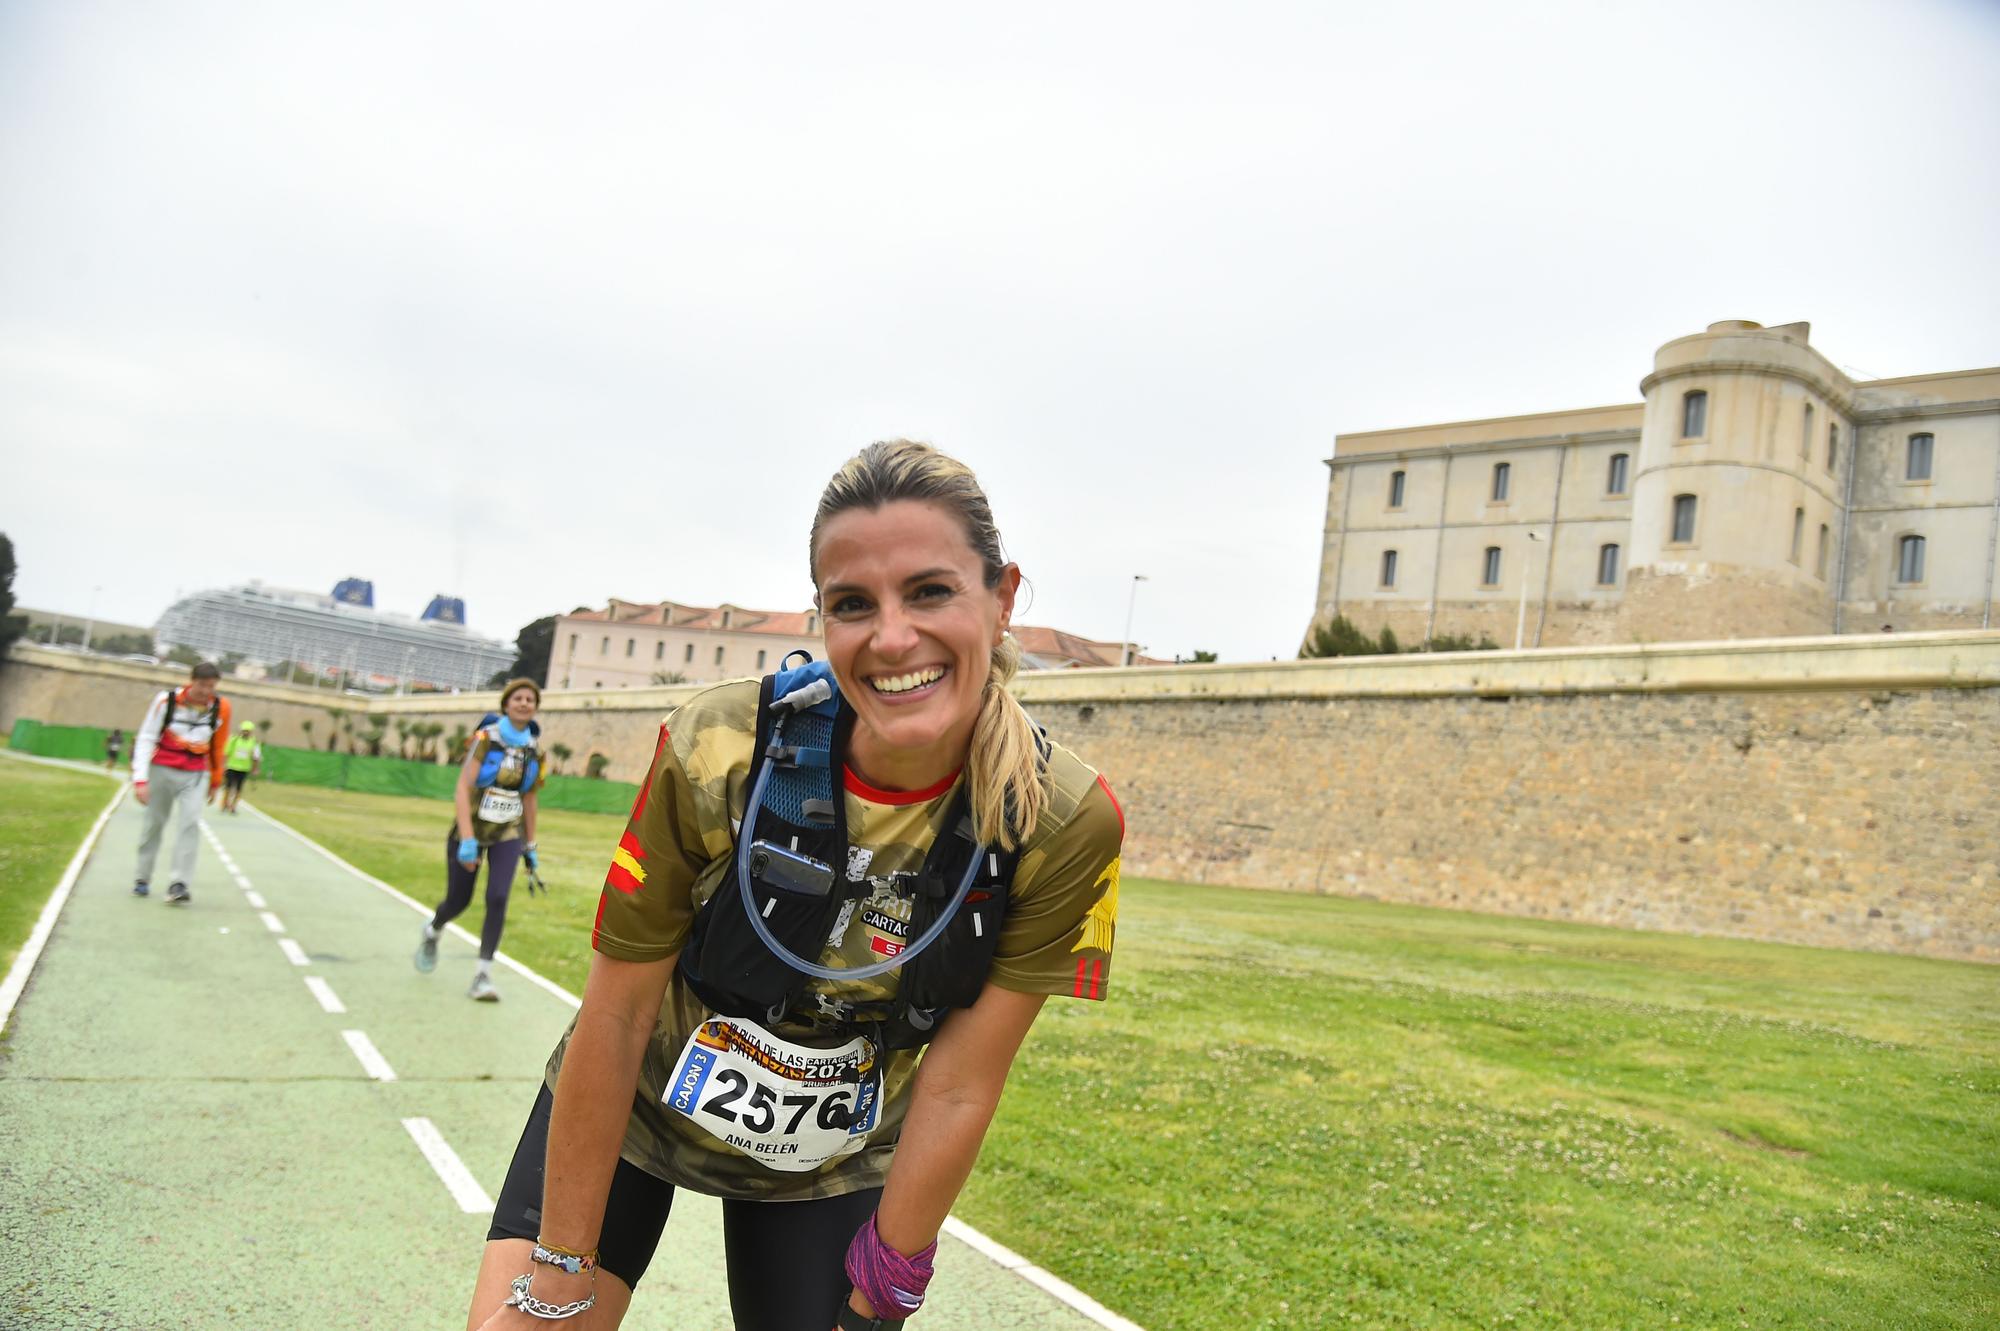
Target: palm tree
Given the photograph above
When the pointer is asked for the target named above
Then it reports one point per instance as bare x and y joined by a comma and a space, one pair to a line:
307, 726
461, 737
561, 753
333, 716
402, 738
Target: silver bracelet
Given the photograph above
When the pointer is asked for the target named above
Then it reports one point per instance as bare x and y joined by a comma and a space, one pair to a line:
548, 1312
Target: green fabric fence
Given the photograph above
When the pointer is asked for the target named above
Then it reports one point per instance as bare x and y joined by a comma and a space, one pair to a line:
83, 743
396, 776
340, 771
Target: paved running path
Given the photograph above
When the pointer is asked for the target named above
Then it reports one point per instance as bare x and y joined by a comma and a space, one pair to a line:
190, 1138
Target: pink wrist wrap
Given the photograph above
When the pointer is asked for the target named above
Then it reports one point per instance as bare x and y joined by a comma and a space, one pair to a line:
892, 1283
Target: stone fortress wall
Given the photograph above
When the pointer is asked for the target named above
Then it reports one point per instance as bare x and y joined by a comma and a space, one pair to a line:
1827, 791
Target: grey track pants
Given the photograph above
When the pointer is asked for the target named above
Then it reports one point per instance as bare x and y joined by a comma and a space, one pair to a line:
171, 793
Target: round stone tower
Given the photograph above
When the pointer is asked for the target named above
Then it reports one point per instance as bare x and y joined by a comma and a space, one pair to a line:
1743, 460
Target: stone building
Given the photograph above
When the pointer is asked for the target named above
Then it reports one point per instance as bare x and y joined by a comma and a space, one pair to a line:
633, 644
1757, 491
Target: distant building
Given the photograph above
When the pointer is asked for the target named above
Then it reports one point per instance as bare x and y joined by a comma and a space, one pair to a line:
1052, 649
339, 632
1757, 491
633, 644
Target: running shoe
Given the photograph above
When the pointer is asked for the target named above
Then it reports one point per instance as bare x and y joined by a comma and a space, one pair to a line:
482, 989
427, 952
178, 895
141, 889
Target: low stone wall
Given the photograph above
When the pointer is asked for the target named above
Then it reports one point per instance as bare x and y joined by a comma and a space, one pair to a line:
1829, 791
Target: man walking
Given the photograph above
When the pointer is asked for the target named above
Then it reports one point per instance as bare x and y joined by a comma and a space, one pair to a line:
243, 758
176, 766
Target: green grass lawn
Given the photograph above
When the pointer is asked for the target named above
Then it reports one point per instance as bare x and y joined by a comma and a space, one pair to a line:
1313, 1112
44, 814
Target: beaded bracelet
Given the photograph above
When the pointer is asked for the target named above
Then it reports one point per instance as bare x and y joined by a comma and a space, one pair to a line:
565, 1259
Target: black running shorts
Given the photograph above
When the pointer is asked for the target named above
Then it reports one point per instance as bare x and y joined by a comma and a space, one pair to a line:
814, 1235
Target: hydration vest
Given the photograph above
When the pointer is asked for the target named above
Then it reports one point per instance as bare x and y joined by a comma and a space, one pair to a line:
212, 718
496, 755
799, 885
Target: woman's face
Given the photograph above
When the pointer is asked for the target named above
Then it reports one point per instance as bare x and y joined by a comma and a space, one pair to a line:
520, 706
910, 631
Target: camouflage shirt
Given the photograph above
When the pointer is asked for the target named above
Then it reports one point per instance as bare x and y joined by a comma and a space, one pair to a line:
678, 846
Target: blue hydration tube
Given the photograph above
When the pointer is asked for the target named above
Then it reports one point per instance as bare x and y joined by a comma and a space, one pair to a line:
779, 950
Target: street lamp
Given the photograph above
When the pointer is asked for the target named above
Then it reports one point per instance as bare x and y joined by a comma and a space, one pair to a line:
1125, 649
1521, 618
90, 621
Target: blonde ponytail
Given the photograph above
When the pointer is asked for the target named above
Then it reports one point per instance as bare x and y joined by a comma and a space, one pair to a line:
1004, 769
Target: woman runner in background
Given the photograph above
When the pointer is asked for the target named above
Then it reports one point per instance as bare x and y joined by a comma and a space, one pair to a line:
831, 1210
495, 803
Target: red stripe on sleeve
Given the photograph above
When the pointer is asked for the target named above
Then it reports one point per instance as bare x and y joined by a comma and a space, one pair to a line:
1119, 808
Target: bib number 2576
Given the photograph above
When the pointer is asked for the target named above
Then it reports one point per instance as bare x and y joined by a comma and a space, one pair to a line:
790, 1107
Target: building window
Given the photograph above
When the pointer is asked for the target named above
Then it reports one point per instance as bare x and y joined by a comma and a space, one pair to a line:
760, 660
1798, 533
1607, 566
631, 646
1491, 573
1502, 473
1806, 435
1388, 568
659, 651
604, 647
725, 619
1396, 479
1694, 415
1832, 446
812, 622
1910, 559
1917, 464
1615, 479
718, 656
689, 658
1819, 559
1684, 506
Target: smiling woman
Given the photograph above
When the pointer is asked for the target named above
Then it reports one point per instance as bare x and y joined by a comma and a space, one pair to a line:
789, 1002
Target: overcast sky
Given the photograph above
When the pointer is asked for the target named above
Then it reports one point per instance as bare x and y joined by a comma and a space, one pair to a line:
542, 305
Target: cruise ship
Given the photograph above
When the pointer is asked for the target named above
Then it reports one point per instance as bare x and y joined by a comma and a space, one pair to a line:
342, 631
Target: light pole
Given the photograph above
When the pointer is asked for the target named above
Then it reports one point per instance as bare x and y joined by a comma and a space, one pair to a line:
1131, 602
90, 621
1521, 618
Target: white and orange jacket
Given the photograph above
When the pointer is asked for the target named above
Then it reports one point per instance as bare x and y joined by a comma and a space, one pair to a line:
182, 737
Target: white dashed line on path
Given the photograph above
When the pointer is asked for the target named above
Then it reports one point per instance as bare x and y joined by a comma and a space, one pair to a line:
372, 1062
457, 1178
256, 899
272, 922
324, 993
293, 952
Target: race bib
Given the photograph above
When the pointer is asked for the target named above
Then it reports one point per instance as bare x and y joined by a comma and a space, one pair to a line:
499, 806
789, 1107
